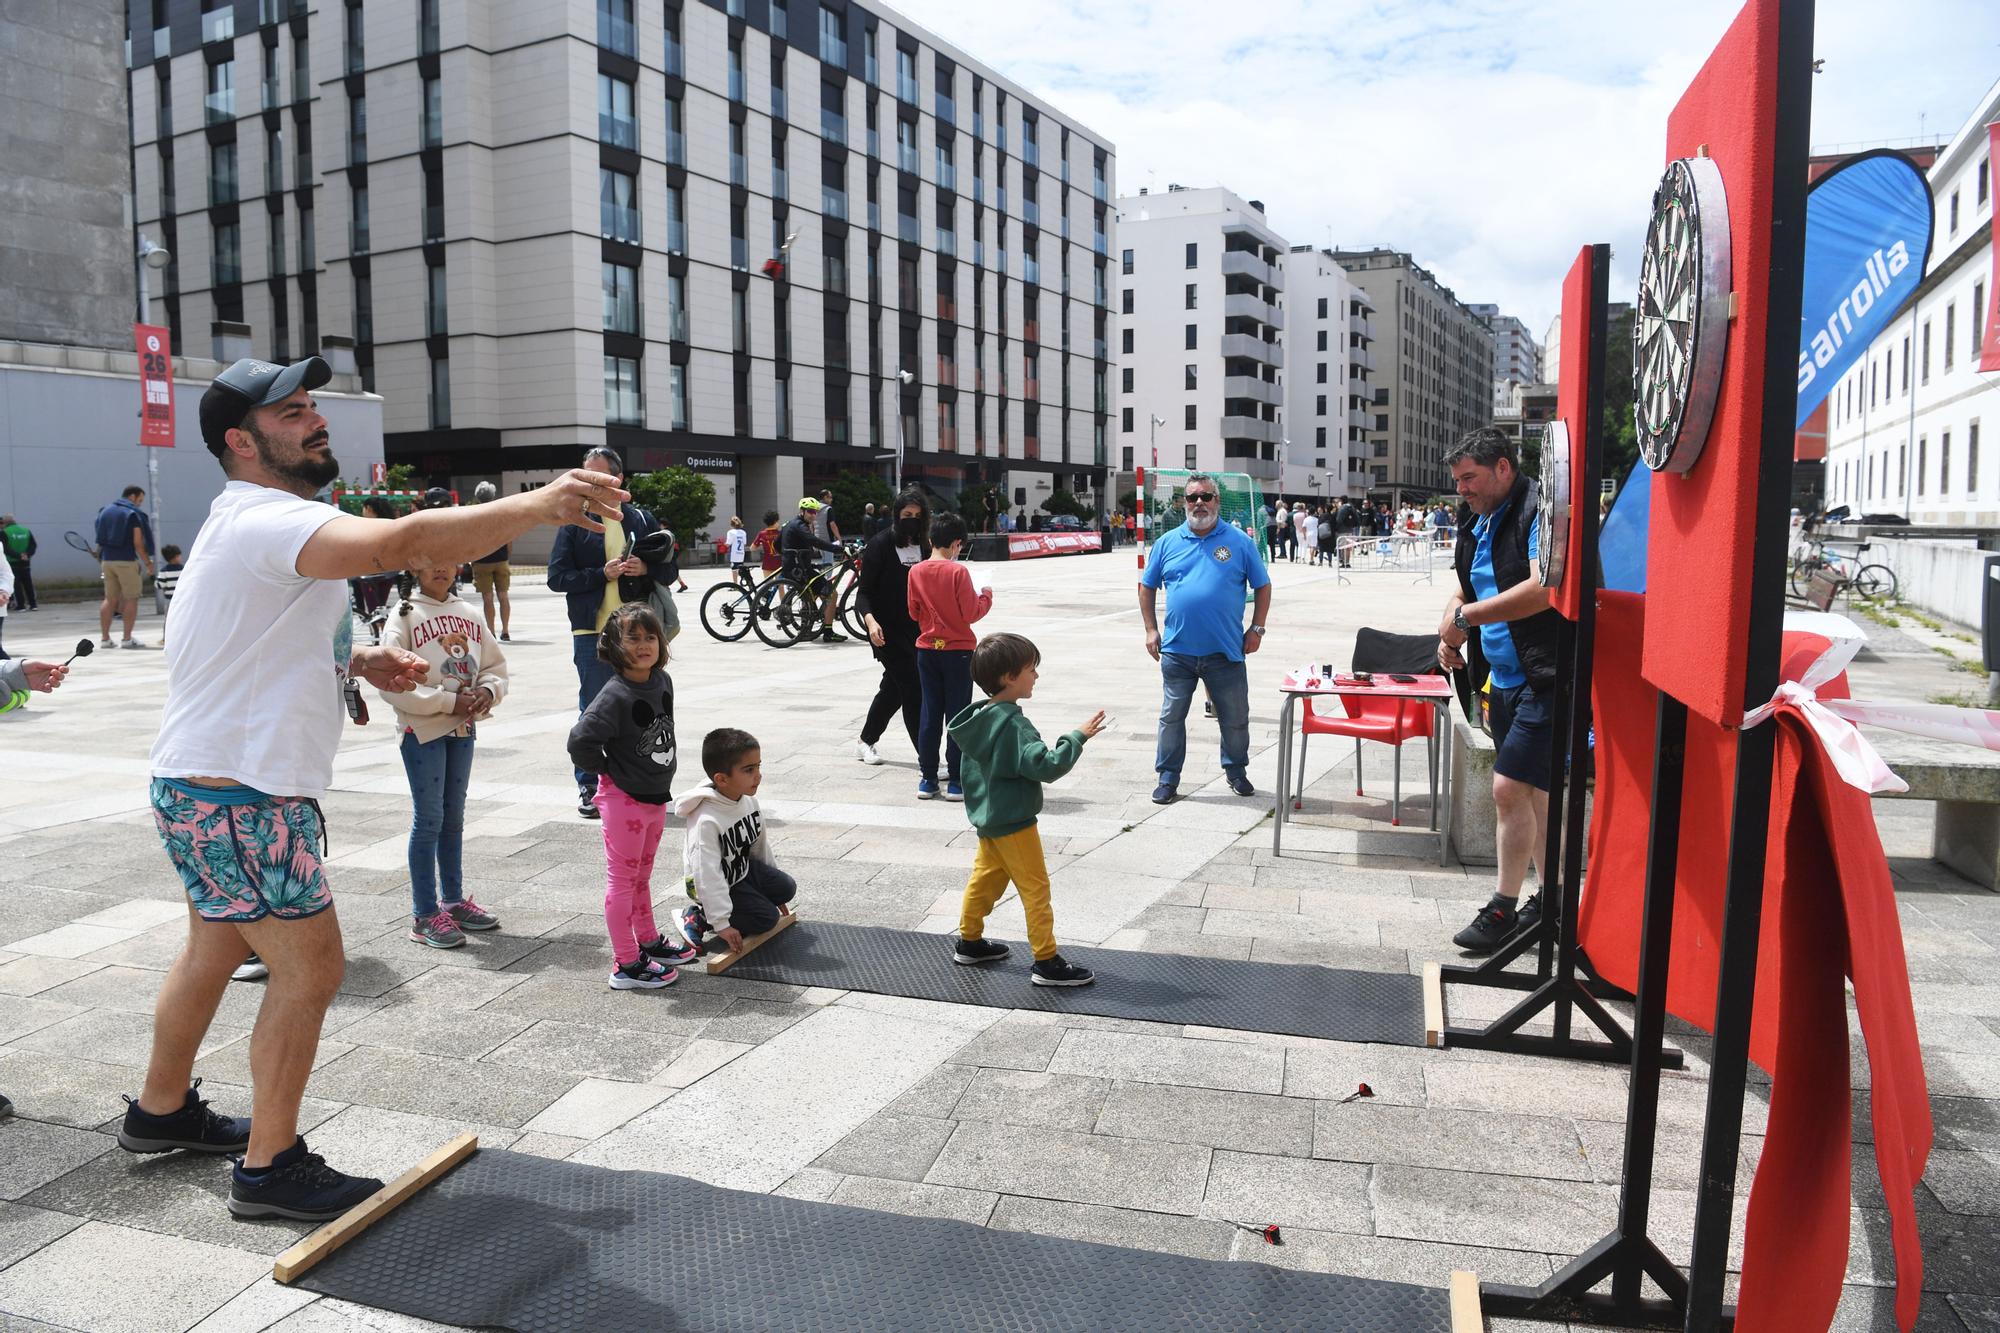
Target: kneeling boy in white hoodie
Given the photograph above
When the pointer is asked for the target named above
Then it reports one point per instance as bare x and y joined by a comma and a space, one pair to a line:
735, 888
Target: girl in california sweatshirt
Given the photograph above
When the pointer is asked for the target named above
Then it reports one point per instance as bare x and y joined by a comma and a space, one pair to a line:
435, 723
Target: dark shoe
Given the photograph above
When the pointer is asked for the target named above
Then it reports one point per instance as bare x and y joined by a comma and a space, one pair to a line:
1208, 708
832, 635
1240, 784
6, 1107
586, 805
471, 916
1165, 793
643, 973
1053, 971
505, 637
1489, 930
194, 1128
297, 1184
672, 952
1531, 910
973, 952
692, 925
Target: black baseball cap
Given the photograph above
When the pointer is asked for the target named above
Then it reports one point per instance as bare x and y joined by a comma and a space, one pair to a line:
253, 383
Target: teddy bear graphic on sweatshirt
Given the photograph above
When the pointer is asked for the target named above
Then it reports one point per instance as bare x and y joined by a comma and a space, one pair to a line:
457, 671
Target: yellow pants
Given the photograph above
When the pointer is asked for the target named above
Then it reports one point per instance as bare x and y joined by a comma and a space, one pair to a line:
1016, 857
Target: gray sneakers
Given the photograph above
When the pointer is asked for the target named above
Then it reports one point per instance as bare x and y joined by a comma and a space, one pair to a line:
440, 931
471, 916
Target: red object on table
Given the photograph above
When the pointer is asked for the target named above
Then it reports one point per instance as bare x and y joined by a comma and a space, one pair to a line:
1829, 914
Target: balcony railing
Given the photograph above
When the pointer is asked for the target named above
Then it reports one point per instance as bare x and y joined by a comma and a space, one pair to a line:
433, 222
779, 187
616, 34
221, 187
219, 25
220, 106
357, 236
947, 177
618, 131
1099, 191
163, 42
947, 109
677, 325
833, 127
833, 203
677, 236
676, 61
677, 151
618, 222
272, 97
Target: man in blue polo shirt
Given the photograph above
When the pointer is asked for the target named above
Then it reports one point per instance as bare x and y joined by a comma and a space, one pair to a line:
1499, 623
1204, 564
124, 544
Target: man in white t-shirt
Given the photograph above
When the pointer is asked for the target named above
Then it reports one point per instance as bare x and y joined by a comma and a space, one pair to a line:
258, 659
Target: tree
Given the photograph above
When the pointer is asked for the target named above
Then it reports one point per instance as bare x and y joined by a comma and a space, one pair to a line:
681, 498
853, 492
1061, 501
401, 477
1621, 433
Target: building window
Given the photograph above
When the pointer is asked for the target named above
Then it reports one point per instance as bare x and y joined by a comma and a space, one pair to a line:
739, 167
947, 171
1190, 337
301, 75
1923, 448
357, 130
1125, 261
1188, 455
676, 220
221, 174
833, 186
1125, 380
906, 76
1926, 376
833, 112
736, 69
677, 317
1972, 453
221, 101
440, 391
617, 206
1950, 335
621, 298
1944, 464
427, 28
437, 312
1187, 417
1188, 376
1977, 314
739, 321
623, 405
1319, 404
228, 255
433, 114
780, 20
357, 229
906, 146
364, 310
677, 398
675, 59
1125, 419
677, 153
1125, 341
1322, 315
739, 237
1322, 373
1953, 212
615, 124
615, 31
871, 73
355, 44
833, 37
1125, 301
1193, 255
1190, 296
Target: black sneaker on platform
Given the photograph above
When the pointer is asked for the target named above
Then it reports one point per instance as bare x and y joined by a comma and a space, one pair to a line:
1490, 929
1053, 971
297, 1184
193, 1128
972, 952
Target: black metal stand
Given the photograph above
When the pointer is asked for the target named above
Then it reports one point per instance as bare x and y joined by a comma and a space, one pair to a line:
1556, 984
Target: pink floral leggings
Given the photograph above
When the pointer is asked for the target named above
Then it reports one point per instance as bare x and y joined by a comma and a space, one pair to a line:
631, 839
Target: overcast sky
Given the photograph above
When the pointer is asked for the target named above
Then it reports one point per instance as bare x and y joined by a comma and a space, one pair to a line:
1490, 138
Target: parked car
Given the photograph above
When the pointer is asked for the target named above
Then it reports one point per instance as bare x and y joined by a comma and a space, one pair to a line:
1063, 523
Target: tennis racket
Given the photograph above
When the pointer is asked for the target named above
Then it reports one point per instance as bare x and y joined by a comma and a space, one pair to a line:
76, 539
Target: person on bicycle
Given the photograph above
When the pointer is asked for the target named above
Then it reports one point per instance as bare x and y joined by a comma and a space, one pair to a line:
798, 545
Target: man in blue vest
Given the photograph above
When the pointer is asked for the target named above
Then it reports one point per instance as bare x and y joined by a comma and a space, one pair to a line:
1204, 564
124, 544
1500, 623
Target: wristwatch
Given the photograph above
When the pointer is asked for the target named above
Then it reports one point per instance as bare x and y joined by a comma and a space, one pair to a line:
1258, 630
1458, 621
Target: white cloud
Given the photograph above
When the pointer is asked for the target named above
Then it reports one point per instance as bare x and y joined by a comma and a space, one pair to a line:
1490, 138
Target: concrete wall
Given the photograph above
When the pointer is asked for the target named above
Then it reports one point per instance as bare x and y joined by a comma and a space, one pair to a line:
68, 432
1941, 577
66, 266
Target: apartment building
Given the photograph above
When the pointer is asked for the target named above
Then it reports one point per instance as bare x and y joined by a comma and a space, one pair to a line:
1329, 369
1904, 423
1517, 361
1435, 372
1202, 348
769, 239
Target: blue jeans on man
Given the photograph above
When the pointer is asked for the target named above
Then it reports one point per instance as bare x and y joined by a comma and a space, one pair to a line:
1228, 684
439, 772
591, 676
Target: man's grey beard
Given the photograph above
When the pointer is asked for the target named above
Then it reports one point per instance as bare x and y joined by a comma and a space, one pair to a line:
1202, 523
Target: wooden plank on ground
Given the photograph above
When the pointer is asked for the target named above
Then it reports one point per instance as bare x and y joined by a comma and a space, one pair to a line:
722, 962
1465, 1315
297, 1261
1433, 1005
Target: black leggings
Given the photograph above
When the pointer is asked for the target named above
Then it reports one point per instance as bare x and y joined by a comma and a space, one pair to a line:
899, 690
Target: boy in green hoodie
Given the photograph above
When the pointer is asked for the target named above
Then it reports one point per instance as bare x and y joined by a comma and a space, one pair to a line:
1006, 763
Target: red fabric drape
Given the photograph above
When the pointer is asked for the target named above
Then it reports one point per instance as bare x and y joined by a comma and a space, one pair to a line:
1829, 915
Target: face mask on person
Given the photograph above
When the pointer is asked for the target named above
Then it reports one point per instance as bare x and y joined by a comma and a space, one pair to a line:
909, 531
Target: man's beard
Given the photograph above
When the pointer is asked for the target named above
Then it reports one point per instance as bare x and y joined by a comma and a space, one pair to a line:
1203, 522
305, 470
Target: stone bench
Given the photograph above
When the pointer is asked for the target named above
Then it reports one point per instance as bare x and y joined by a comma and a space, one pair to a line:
1472, 821
1965, 784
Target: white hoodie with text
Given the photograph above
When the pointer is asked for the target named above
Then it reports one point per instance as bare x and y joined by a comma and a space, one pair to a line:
723, 838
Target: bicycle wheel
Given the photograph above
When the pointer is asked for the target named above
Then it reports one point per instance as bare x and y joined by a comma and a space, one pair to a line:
725, 611
1875, 582
850, 614
778, 613
1802, 571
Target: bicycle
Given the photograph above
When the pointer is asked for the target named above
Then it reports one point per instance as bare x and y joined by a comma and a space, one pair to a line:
786, 609
727, 609
1877, 582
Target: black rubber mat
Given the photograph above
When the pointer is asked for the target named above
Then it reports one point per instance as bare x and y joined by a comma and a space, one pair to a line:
526, 1243
1295, 999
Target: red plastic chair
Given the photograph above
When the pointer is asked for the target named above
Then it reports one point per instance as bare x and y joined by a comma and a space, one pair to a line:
1389, 721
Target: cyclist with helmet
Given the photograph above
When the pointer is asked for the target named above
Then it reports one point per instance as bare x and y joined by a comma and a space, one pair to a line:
797, 545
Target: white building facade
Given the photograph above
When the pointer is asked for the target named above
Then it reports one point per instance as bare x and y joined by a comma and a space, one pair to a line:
1329, 361
1905, 424
1202, 347
1517, 360
770, 239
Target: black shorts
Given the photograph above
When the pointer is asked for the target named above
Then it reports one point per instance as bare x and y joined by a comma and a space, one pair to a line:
1519, 720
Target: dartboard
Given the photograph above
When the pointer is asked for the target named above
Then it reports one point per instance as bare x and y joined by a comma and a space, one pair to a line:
1552, 519
1680, 323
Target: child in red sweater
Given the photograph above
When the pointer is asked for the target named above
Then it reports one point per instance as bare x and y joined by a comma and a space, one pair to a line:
944, 605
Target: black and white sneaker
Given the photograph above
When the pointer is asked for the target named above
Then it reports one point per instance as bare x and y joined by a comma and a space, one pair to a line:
973, 952
586, 803
193, 1128
1053, 971
298, 1184
673, 951
643, 973
1489, 930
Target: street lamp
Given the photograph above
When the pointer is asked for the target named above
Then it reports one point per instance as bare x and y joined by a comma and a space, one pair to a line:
152, 256
904, 378
149, 256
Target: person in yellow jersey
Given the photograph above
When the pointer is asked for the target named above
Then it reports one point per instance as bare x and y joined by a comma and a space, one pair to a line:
598, 573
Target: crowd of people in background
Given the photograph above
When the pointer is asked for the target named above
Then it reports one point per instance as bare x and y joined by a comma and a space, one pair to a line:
1326, 532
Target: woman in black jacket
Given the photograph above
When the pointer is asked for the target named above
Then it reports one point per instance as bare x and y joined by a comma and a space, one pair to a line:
883, 598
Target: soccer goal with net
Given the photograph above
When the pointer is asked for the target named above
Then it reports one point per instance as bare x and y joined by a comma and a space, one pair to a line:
1242, 503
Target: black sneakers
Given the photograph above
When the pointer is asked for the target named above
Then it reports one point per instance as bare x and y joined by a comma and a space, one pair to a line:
586, 803
673, 951
973, 952
297, 1184
1053, 971
1500, 918
1531, 910
193, 1128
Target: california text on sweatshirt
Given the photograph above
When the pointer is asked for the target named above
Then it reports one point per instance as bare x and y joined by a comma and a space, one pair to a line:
627, 734
723, 838
463, 655
944, 605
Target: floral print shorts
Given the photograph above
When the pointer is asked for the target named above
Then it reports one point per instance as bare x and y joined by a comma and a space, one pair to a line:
241, 854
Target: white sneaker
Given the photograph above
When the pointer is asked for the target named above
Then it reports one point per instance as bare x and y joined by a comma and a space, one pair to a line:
867, 753
252, 968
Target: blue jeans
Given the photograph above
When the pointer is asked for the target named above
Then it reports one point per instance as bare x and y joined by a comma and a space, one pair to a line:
945, 675
591, 676
438, 771
1228, 685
